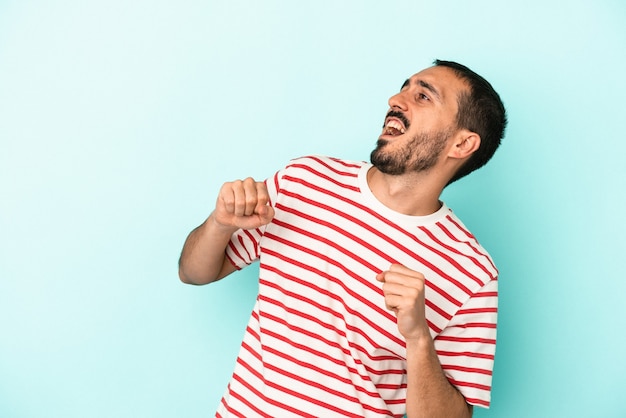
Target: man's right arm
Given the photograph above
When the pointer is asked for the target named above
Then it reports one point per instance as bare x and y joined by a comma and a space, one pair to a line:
203, 258
240, 204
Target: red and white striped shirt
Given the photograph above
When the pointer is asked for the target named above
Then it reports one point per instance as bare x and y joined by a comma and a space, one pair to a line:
320, 341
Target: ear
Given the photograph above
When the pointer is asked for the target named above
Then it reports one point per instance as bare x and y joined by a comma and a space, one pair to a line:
465, 144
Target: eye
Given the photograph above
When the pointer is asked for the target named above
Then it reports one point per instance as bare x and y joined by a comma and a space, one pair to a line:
422, 96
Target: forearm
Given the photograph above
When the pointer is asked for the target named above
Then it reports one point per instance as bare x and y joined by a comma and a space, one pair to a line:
202, 260
429, 393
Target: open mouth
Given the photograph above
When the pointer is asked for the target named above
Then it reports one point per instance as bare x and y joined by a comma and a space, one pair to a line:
395, 123
393, 127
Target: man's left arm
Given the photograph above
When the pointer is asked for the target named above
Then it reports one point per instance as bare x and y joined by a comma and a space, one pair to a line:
429, 393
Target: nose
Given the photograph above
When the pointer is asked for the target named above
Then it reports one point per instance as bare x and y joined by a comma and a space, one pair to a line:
398, 101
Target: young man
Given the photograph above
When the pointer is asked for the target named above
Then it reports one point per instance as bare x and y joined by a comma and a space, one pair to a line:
374, 299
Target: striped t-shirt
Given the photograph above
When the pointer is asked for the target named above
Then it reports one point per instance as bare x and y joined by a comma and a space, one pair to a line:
320, 341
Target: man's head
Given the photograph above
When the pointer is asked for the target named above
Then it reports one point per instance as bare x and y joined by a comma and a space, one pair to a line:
445, 107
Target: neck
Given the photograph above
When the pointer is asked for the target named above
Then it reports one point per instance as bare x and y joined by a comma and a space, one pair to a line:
415, 194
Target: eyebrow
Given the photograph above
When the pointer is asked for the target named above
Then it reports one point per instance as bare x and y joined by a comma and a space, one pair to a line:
426, 85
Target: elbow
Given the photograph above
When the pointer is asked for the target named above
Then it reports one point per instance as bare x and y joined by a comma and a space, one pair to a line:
186, 273
190, 279
197, 279
200, 275
183, 277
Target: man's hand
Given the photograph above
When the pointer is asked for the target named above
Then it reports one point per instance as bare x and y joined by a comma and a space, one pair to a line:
240, 204
403, 289
243, 204
429, 393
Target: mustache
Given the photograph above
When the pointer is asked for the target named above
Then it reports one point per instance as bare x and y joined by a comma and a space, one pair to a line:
398, 115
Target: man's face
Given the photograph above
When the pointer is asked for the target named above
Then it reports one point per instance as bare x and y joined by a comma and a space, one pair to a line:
421, 119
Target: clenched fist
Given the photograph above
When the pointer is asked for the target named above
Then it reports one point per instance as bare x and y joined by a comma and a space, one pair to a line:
403, 289
243, 204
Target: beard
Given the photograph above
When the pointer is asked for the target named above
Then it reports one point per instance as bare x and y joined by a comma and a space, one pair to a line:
419, 154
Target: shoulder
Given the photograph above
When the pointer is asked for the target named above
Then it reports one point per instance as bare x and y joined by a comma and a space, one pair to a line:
321, 173
465, 247
325, 163
318, 166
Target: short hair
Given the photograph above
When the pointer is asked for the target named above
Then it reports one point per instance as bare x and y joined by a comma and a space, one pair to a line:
481, 111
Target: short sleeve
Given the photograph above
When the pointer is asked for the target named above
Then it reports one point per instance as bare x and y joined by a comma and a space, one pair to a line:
243, 248
466, 347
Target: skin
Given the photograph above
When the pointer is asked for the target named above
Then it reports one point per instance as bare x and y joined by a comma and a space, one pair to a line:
428, 101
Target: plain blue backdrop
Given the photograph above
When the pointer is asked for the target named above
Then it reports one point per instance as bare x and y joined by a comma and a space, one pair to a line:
119, 121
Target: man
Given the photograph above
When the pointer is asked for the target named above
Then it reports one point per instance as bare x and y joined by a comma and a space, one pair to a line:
374, 299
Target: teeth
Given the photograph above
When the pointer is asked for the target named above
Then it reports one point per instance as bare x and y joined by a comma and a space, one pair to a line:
395, 125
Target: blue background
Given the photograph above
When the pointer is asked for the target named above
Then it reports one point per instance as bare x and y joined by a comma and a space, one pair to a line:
119, 121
